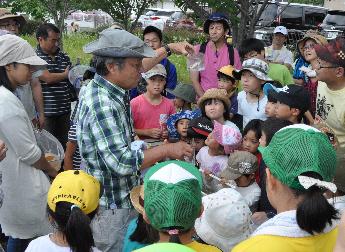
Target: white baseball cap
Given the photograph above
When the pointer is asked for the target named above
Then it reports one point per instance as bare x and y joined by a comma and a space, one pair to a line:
225, 221
281, 29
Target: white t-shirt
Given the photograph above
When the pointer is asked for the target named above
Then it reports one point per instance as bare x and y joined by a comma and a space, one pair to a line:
279, 56
338, 203
43, 244
214, 164
249, 111
251, 194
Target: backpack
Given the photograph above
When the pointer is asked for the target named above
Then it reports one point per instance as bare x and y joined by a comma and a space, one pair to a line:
141, 88
230, 50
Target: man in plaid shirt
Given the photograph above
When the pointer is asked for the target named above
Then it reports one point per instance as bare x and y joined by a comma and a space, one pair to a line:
105, 131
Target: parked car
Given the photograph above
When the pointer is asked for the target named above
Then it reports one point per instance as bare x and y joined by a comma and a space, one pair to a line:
296, 17
180, 20
292, 16
334, 24
143, 19
159, 19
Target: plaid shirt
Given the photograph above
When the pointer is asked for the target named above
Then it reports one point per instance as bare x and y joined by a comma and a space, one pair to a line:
104, 133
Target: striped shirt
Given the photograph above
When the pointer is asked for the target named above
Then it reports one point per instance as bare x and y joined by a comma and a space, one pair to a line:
104, 134
72, 137
56, 96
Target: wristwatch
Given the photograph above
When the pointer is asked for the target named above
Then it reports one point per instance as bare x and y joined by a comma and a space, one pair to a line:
168, 50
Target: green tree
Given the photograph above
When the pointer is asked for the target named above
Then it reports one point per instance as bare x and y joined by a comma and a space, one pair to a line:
121, 10
243, 14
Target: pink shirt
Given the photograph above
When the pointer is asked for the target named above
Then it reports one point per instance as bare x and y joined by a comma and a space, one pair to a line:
208, 77
146, 115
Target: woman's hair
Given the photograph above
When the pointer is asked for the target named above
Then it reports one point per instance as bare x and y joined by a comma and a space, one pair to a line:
314, 211
144, 233
255, 126
4, 81
271, 126
226, 113
75, 225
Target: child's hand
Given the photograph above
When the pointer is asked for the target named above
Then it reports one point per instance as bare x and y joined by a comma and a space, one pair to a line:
207, 175
154, 133
164, 134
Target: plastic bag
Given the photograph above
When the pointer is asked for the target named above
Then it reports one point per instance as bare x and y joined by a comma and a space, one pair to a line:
195, 62
51, 147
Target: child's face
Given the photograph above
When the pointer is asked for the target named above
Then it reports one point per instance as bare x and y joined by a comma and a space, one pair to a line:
250, 142
283, 111
244, 181
270, 109
309, 51
262, 140
249, 82
155, 84
214, 109
226, 83
182, 126
211, 142
178, 102
254, 54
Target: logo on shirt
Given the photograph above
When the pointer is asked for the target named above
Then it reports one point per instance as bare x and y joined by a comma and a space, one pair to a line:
323, 108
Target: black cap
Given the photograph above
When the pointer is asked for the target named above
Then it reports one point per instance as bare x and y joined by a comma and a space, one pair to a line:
295, 96
199, 127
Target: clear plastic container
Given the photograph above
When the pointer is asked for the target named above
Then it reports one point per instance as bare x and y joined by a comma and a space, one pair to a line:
195, 62
51, 147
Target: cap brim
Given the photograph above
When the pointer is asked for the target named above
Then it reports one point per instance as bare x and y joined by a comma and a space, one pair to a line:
237, 74
33, 61
323, 53
118, 52
134, 196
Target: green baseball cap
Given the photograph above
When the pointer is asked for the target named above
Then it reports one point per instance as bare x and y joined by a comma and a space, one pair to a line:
172, 192
297, 149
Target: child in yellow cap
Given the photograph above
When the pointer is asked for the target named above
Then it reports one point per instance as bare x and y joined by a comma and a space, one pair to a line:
72, 203
227, 81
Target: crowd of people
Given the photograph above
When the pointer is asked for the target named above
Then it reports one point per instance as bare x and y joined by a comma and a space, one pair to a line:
249, 156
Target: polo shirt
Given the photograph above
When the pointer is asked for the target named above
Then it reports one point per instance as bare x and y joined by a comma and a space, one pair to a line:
56, 96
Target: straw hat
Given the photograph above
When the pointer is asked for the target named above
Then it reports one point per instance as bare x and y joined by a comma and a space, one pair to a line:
215, 93
137, 198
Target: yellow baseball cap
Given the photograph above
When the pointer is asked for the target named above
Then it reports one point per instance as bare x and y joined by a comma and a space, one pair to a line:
227, 70
76, 187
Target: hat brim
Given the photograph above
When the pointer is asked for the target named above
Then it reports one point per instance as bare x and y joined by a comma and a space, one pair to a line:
205, 231
118, 52
134, 196
180, 95
148, 76
21, 20
261, 76
219, 97
33, 61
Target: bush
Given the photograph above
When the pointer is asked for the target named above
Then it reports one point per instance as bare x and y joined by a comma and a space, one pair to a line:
171, 35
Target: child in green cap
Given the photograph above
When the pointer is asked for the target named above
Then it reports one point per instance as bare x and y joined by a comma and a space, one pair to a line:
172, 202
300, 163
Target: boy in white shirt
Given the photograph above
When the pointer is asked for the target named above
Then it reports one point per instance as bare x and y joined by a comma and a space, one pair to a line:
241, 168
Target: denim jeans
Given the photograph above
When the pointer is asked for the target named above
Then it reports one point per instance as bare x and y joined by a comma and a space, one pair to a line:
17, 245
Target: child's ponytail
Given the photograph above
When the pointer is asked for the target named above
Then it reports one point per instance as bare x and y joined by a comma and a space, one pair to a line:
75, 225
314, 211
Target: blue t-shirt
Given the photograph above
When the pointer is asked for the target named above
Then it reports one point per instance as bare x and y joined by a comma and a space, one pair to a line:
128, 244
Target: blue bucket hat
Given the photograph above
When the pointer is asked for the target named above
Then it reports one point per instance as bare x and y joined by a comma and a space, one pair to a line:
172, 120
216, 17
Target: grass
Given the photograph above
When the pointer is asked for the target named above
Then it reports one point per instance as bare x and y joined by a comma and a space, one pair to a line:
73, 46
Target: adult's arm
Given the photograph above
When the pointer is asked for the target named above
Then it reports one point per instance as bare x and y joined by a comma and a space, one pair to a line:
21, 142
51, 78
195, 78
161, 53
38, 99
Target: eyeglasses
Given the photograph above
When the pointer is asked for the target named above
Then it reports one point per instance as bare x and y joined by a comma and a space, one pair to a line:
311, 46
320, 66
